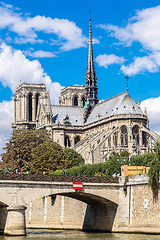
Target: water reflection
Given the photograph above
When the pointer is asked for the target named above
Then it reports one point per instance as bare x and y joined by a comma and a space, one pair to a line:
79, 235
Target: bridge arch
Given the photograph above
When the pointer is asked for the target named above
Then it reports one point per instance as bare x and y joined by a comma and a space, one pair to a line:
99, 213
88, 198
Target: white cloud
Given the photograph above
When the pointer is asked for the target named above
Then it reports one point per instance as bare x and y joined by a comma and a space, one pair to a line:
144, 27
106, 60
68, 33
25, 40
124, 36
6, 119
140, 64
95, 41
9, 6
153, 110
14, 66
40, 54
150, 63
7, 115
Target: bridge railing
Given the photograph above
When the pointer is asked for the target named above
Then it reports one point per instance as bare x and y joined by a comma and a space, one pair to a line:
57, 178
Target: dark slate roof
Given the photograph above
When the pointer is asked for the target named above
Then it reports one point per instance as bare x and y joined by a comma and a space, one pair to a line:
75, 114
118, 105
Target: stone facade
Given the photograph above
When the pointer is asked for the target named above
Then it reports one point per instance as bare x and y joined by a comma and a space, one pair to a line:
96, 129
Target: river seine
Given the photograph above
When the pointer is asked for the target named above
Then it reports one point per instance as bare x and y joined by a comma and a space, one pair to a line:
78, 235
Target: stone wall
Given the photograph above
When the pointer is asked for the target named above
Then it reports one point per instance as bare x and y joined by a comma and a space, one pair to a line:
67, 213
138, 211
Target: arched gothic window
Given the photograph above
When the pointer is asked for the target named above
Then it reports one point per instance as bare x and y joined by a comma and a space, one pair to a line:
75, 101
144, 139
83, 101
115, 139
67, 142
37, 102
124, 136
30, 106
76, 140
135, 132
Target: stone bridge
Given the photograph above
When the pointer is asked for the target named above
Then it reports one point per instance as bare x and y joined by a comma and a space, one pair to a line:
16, 195
108, 209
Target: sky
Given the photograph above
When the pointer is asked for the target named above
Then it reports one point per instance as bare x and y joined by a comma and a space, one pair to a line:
47, 42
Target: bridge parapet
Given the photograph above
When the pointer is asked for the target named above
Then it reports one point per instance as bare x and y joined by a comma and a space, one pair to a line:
58, 178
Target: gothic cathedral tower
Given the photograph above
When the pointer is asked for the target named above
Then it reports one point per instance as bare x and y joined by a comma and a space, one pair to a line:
27, 100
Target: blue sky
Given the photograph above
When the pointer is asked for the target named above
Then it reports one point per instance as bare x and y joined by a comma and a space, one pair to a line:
46, 41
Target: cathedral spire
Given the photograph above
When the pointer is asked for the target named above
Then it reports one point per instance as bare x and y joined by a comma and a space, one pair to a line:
91, 78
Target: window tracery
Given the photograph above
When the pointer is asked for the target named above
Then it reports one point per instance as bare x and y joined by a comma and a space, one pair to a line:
67, 142
37, 102
83, 101
115, 139
124, 136
75, 101
135, 132
77, 139
30, 106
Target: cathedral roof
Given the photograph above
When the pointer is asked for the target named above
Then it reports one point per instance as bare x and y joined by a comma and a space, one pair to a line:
121, 104
75, 114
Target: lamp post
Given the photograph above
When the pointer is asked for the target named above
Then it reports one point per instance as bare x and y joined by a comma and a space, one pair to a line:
12, 142
124, 160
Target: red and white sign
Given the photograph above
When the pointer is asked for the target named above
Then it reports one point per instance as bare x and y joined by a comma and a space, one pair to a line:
77, 185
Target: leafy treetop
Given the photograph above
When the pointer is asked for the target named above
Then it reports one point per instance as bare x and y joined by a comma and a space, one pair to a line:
25, 143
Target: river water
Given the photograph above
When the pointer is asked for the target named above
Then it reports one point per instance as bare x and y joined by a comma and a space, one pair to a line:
78, 235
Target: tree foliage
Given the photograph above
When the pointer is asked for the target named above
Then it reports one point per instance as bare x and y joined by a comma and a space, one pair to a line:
143, 160
48, 157
106, 169
25, 143
74, 157
113, 165
34, 151
153, 173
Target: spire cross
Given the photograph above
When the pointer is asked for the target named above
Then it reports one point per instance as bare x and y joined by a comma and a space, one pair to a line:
126, 77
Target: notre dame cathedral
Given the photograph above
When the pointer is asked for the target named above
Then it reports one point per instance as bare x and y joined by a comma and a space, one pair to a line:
94, 129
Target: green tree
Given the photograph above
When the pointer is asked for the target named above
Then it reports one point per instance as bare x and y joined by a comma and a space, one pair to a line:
25, 143
143, 160
48, 157
74, 157
153, 173
113, 166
